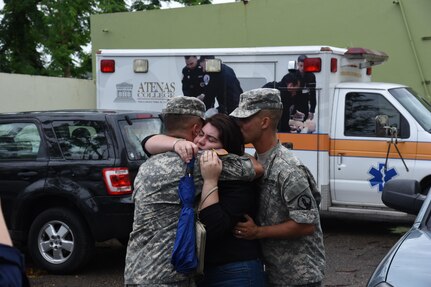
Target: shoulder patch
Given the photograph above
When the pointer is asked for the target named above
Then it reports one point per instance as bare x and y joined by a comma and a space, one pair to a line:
304, 202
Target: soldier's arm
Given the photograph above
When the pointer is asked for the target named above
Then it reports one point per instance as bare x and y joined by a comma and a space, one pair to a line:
162, 143
285, 230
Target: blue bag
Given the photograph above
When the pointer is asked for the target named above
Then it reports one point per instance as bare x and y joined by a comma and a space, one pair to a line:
184, 257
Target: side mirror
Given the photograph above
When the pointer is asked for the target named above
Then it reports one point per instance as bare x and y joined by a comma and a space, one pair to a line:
403, 195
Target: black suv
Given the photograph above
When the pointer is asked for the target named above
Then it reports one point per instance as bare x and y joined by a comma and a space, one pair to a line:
66, 180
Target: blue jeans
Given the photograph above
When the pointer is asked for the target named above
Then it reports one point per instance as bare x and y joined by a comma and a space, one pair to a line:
237, 274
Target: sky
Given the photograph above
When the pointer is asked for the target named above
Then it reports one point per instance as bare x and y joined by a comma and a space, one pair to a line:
173, 5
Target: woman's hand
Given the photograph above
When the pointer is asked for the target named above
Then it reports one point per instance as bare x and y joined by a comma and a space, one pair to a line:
211, 166
185, 149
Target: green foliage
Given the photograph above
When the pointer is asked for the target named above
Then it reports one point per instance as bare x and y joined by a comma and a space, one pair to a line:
19, 38
48, 37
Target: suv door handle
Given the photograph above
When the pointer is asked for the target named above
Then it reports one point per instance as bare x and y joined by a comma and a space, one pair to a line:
27, 174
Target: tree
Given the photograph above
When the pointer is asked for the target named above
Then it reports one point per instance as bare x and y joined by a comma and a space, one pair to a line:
49, 37
20, 38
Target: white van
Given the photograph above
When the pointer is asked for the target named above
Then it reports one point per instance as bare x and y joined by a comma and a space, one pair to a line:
362, 134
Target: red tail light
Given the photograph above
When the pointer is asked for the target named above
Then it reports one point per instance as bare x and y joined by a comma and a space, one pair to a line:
117, 180
107, 66
334, 65
313, 65
369, 70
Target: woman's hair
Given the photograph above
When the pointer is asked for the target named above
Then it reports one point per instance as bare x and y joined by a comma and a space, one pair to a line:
230, 134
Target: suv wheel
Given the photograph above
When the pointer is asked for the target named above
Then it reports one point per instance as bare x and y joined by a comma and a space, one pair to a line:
59, 241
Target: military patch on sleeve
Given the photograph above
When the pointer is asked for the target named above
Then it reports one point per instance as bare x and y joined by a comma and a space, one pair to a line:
304, 202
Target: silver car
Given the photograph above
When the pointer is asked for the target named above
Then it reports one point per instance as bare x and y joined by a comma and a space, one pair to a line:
408, 262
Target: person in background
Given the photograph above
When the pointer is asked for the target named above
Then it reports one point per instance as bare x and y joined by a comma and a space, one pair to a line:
223, 86
192, 77
306, 97
288, 216
157, 204
12, 267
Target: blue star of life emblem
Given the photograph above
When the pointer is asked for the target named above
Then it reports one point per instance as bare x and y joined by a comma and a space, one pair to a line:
380, 176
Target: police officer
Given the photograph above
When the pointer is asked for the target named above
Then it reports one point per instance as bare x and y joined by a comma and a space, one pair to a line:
192, 77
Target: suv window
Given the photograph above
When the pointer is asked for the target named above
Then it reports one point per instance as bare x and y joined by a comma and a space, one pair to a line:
135, 133
80, 140
19, 141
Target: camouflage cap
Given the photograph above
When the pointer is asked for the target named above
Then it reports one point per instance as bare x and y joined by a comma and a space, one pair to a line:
253, 101
182, 105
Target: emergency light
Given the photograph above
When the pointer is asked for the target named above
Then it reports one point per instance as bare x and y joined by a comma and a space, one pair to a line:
107, 66
313, 65
140, 65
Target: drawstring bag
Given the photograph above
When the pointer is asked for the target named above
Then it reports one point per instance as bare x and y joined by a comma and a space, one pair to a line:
184, 255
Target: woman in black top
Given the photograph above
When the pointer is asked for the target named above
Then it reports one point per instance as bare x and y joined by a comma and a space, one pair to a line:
229, 261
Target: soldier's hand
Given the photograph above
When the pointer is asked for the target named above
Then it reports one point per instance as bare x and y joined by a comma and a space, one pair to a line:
186, 150
246, 229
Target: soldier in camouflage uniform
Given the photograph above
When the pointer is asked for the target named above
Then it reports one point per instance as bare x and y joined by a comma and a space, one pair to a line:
157, 205
288, 218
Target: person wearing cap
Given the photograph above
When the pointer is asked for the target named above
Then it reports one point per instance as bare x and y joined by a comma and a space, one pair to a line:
157, 204
288, 223
223, 86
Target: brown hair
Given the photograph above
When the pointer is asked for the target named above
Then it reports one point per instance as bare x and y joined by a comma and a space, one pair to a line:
230, 133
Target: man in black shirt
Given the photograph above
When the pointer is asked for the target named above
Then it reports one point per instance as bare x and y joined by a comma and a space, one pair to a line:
192, 77
306, 101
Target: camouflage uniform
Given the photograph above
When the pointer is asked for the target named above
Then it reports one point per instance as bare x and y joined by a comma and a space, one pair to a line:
157, 208
286, 192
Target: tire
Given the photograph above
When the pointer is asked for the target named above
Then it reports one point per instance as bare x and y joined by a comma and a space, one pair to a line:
59, 241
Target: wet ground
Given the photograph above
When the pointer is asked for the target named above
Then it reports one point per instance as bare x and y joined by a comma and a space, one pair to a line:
353, 250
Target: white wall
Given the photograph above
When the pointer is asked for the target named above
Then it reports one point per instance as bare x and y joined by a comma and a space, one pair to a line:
31, 93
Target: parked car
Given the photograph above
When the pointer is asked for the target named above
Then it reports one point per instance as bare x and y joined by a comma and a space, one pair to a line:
66, 179
409, 260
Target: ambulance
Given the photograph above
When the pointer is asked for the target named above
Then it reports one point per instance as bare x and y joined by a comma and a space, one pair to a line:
362, 133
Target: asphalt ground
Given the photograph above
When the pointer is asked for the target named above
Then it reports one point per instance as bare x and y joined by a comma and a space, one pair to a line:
353, 250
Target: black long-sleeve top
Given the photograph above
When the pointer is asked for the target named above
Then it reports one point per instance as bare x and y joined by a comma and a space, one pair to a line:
236, 198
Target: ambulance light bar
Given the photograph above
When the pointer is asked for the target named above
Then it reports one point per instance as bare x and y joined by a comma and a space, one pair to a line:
371, 56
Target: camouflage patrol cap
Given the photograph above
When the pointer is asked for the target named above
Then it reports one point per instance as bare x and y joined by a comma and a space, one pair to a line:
182, 105
253, 101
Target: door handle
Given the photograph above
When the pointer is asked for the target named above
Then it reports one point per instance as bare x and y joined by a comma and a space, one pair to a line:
27, 174
340, 158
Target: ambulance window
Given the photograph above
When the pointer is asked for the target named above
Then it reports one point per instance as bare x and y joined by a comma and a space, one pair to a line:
362, 111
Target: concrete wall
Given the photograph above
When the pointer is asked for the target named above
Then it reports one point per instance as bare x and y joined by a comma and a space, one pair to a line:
30, 93
401, 28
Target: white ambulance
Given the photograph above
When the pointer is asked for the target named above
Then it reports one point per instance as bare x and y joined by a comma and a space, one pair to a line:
362, 134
